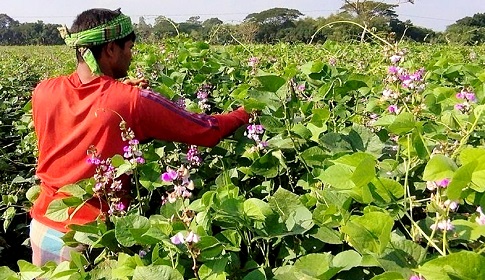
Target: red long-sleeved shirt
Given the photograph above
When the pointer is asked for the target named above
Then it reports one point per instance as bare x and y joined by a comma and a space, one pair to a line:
70, 116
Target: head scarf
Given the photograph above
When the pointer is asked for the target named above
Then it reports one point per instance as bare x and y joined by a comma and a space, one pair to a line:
115, 29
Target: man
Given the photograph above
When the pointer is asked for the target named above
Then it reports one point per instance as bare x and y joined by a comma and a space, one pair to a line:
72, 113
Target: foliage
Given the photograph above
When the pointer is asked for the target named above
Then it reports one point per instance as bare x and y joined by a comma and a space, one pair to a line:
361, 161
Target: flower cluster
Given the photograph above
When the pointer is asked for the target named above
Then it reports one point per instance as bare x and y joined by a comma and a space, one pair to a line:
253, 62
467, 98
105, 184
203, 97
180, 179
132, 152
180, 103
433, 185
179, 238
300, 88
193, 156
444, 225
416, 277
410, 81
481, 219
451, 204
254, 132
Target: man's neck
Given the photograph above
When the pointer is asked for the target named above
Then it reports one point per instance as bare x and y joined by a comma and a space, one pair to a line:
84, 73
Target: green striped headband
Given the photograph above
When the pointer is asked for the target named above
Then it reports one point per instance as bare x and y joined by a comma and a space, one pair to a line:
115, 29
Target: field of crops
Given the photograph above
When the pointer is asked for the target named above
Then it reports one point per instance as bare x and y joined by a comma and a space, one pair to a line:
362, 161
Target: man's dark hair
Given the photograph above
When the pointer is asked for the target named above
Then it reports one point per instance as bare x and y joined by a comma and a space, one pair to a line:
95, 17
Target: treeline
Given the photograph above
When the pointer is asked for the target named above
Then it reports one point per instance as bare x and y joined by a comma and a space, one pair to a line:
14, 33
355, 21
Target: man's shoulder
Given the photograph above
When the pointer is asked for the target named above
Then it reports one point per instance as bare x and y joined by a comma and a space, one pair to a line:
52, 81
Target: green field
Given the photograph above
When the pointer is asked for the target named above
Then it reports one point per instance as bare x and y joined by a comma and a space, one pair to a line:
367, 165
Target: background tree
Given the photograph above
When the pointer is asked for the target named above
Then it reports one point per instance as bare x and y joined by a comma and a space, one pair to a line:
271, 22
468, 30
164, 27
143, 30
371, 14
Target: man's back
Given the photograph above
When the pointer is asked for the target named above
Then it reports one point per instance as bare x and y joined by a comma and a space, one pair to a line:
69, 117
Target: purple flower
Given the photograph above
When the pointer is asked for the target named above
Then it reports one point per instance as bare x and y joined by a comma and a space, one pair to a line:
393, 109
460, 95
142, 253
470, 96
393, 70
459, 106
94, 160
192, 237
415, 277
177, 239
169, 176
202, 95
443, 225
193, 156
395, 59
300, 87
120, 206
180, 103
134, 142
253, 61
443, 183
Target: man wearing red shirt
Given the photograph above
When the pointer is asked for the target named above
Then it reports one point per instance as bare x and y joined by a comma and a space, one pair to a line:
72, 113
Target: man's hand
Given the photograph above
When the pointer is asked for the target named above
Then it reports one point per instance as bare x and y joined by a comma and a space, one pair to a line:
141, 83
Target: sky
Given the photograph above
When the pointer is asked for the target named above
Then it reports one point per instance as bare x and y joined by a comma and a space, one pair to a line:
432, 14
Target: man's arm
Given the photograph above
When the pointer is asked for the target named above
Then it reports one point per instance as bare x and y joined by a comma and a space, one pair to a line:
159, 118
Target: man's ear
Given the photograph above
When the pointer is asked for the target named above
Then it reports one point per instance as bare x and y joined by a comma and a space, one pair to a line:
109, 49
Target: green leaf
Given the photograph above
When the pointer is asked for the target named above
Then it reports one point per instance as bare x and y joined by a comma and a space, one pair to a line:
438, 168
73, 190
328, 235
338, 176
57, 211
271, 83
369, 233
364, 173
117, 160
403, 123
210, 248
257, 274
272, 124
266, 166
257, 209
122, 169
314, 156
314, 265
302, 131
346, 260
32, 193
129, 229
461, 178
320, 116
8, 274
284, 202
316, 131
156, 272
460, 265
28, 271
387, 190
469, 155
